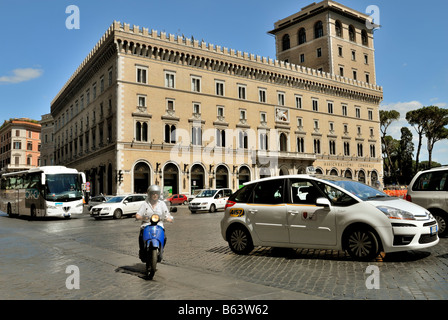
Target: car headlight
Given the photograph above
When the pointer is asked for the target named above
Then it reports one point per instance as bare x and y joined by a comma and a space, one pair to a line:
394, 213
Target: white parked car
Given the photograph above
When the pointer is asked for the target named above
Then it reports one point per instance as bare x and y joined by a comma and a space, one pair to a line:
210, 200
118, 206
326, 212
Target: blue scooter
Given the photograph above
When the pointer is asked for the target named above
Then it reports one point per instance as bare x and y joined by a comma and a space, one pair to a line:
154, 244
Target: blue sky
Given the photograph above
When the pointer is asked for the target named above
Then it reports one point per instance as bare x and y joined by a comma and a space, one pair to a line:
38, 53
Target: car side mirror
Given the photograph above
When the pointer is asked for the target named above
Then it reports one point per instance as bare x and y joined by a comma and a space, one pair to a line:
323, 202
125, 201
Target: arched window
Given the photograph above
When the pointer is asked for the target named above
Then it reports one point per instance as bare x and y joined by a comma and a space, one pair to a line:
263, 141
141, 131
283, 142
145, 132
138, 131
338, 26
170, 133
318, 30
352, 33
285, 42
364, 38
300, 145
302, 36
196, 136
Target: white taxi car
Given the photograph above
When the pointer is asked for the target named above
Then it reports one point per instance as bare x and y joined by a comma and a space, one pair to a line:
324, 212
210, 200
118, 206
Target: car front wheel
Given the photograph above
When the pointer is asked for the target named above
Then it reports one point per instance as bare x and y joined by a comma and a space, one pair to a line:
362, 244
117, 214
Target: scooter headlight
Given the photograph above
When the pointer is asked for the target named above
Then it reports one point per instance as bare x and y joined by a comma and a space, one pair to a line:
155, 218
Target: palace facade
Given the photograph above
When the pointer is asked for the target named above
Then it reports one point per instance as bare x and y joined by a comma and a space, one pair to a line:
146, 107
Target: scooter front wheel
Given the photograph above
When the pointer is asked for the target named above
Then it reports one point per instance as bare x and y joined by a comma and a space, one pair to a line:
151, 263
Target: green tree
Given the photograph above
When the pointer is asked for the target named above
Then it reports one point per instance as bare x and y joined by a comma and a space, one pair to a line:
406, 150
436, 119
388, 143
417, 120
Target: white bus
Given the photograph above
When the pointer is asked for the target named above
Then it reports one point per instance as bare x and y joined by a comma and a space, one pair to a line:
51, 191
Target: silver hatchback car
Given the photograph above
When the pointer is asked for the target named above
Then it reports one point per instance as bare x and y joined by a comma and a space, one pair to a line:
324, 212
429, 189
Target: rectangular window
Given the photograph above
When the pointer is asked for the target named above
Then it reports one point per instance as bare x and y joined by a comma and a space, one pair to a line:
102, 84
262, 95
281, 98
219, 87
170, 105
142, 75
110, 76
195, 84
242, 114
298, 102
196, 108
315, 105
344, 110
141, 100
330, 107
220, 111
170, 79
242, 92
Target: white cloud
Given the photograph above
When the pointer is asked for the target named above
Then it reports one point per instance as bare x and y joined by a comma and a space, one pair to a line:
394, 129
21, 75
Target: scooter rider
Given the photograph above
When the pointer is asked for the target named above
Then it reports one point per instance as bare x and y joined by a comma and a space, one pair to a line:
152, 205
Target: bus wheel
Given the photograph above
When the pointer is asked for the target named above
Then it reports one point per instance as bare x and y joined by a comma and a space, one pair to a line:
33, 212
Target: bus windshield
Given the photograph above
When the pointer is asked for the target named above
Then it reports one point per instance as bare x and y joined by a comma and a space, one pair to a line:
63, 187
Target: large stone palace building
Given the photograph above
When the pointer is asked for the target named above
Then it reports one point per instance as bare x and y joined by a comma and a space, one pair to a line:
146, 107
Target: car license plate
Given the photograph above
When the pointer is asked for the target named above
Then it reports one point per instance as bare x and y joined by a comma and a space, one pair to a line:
433, 230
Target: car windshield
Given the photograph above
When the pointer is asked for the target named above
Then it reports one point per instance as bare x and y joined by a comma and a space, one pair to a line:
115, 200
206, 194
360, 190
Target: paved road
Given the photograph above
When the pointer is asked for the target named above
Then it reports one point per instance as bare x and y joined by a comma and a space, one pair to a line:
36, 257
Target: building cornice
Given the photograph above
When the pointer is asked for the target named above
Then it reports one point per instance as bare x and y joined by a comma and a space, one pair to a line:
123, 39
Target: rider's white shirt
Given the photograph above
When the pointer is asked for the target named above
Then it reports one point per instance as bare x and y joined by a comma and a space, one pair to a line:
147, 210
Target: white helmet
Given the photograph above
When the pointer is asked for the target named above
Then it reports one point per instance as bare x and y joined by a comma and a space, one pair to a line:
154, 189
